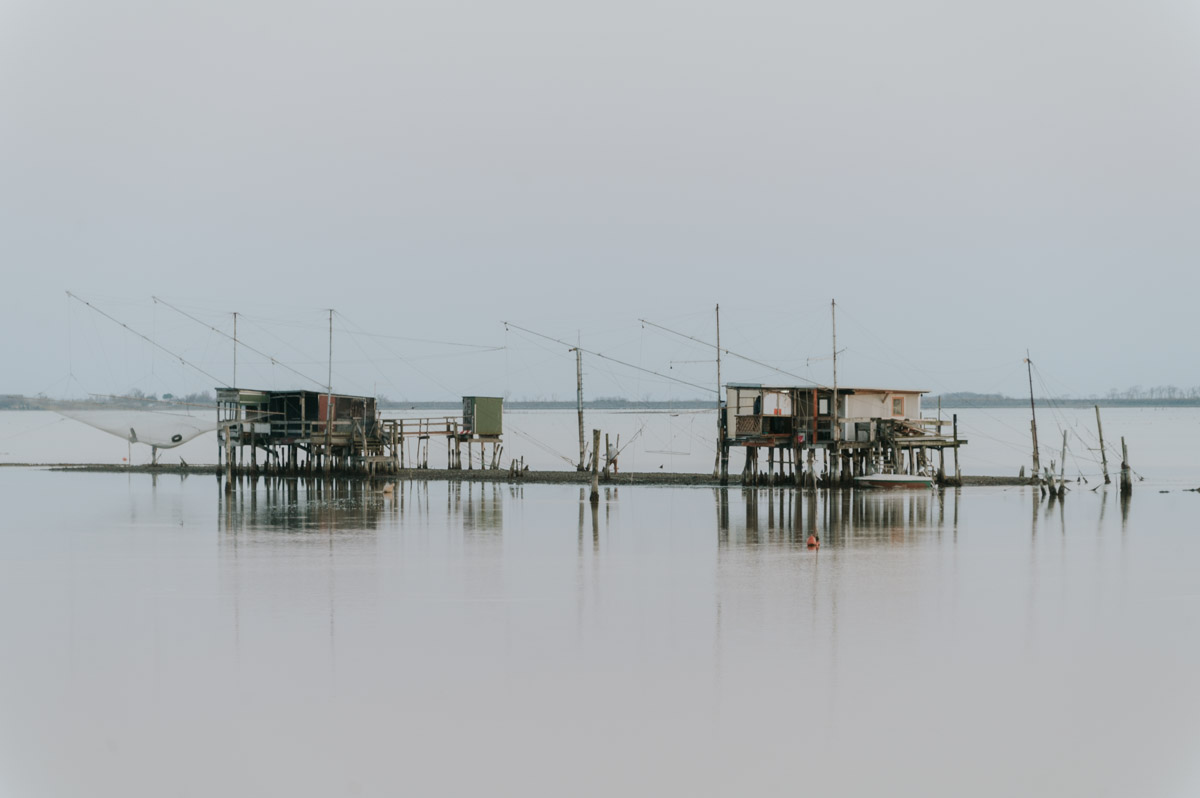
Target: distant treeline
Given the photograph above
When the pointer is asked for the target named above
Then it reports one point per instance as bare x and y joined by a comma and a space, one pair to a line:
1134, 397
131, 399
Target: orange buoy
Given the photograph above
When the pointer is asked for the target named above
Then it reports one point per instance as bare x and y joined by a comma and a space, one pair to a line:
813, 542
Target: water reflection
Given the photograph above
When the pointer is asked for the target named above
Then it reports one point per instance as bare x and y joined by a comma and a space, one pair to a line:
479, 505
753, 516
322, 620
300, 560
311, 505
300, 505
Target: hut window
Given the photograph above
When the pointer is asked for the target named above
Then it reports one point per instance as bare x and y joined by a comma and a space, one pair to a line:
897, 405
822, 406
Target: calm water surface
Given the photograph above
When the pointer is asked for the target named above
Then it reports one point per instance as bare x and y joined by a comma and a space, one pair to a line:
160, 638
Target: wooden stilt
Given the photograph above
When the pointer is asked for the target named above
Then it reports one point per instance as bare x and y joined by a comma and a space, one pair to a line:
595, 497
957, 473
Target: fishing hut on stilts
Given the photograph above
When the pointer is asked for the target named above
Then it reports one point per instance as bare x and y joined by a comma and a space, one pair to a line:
823, 436
300, 432
311, 432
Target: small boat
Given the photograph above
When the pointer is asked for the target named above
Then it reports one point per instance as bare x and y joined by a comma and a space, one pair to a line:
893, 481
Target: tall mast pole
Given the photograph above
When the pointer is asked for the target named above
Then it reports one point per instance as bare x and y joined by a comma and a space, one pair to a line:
720, 429
579, 397
329, 398
834, 409
1037, 468
235, 349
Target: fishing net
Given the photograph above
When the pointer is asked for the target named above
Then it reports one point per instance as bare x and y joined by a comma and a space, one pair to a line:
153, 428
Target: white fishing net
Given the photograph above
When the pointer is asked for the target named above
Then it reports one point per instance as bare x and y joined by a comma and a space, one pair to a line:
153, 428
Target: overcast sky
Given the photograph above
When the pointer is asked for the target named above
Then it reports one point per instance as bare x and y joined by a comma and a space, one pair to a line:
968, 180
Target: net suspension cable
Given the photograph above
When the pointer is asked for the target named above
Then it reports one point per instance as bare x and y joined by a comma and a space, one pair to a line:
145, 338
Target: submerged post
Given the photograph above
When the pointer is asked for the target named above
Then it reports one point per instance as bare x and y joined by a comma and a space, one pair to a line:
1126, 471
1103, 454
1062, 469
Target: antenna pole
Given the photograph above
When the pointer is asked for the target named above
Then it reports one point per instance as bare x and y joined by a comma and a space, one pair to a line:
1037, 468
835, 472
234, 349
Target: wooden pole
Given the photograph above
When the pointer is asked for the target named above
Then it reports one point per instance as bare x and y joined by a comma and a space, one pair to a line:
228, 457
329, 400
834, 408
579, 400
1037, 468
957, 473
1103, 453
720, 428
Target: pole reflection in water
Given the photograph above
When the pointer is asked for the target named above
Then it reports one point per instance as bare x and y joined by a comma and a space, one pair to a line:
340, 505
840, 518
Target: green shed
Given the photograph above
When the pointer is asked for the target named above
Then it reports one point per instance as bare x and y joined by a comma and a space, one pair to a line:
483, 415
